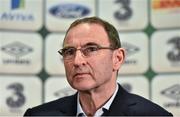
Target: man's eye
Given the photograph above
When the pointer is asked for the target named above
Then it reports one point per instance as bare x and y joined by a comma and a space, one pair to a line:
69, 51
91, 49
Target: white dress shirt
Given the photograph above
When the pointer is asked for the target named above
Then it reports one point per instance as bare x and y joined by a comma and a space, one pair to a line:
99, 112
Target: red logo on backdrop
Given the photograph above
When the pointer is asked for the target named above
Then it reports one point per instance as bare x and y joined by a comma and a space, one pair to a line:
165, 4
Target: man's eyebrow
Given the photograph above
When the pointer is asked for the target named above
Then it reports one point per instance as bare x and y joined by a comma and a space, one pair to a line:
87, 44
67, 46
90, 43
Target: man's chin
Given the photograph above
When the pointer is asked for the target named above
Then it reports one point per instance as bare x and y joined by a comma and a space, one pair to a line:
83, 87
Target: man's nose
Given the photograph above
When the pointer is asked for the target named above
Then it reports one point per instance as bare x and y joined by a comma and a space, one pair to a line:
79, 58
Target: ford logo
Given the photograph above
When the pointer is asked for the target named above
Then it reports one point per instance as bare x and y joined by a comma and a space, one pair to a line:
69, 11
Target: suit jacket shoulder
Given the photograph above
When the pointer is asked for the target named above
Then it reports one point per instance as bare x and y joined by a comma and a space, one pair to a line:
127, 104
124, 104
62, 107
144, 107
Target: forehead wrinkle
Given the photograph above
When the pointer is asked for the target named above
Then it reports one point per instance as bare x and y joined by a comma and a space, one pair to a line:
85, 32
77, 30
75, 33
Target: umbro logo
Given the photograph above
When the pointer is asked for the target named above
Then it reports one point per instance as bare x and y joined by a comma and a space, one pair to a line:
17, 49
130, 49
64, 92
127, 86
172, 92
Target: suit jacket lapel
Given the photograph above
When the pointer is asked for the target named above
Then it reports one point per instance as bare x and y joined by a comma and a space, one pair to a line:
70, 106
119, 107
120, 104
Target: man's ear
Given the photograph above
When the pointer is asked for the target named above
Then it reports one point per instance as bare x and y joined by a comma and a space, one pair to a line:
118, 58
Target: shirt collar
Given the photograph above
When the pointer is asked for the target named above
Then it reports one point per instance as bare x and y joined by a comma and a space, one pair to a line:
99, 111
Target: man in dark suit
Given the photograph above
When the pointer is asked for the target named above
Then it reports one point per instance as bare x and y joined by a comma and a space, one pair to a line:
92, 56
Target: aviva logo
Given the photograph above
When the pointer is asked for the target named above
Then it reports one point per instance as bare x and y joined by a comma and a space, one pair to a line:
17, 4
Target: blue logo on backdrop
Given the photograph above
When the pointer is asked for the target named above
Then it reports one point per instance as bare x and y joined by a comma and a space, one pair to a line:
17, 4
9, 15
69, 11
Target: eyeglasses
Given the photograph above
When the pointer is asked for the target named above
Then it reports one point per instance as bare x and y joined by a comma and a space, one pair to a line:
87, 51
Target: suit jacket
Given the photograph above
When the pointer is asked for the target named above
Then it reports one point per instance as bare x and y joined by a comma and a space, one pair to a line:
124, 104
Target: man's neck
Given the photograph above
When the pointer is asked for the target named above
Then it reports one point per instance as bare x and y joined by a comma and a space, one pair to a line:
91, 101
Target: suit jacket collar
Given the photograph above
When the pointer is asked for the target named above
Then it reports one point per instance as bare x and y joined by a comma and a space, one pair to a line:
118, 107
69, 107
120, 104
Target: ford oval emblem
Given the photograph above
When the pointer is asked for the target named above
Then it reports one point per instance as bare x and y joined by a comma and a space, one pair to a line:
69, 11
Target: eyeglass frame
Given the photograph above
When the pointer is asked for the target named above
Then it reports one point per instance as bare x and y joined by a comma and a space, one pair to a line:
82, 49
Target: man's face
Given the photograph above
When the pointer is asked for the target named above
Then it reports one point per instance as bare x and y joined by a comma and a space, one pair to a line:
88, 73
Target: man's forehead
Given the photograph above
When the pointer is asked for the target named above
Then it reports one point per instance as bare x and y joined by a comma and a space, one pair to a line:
85, 33
86, 27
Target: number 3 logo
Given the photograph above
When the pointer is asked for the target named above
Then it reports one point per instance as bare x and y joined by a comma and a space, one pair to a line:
125, 12
174, 54
17, 99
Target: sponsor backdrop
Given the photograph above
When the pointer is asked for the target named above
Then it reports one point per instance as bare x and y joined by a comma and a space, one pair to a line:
32, 31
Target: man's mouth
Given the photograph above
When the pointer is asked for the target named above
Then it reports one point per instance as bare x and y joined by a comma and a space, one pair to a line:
80, 75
